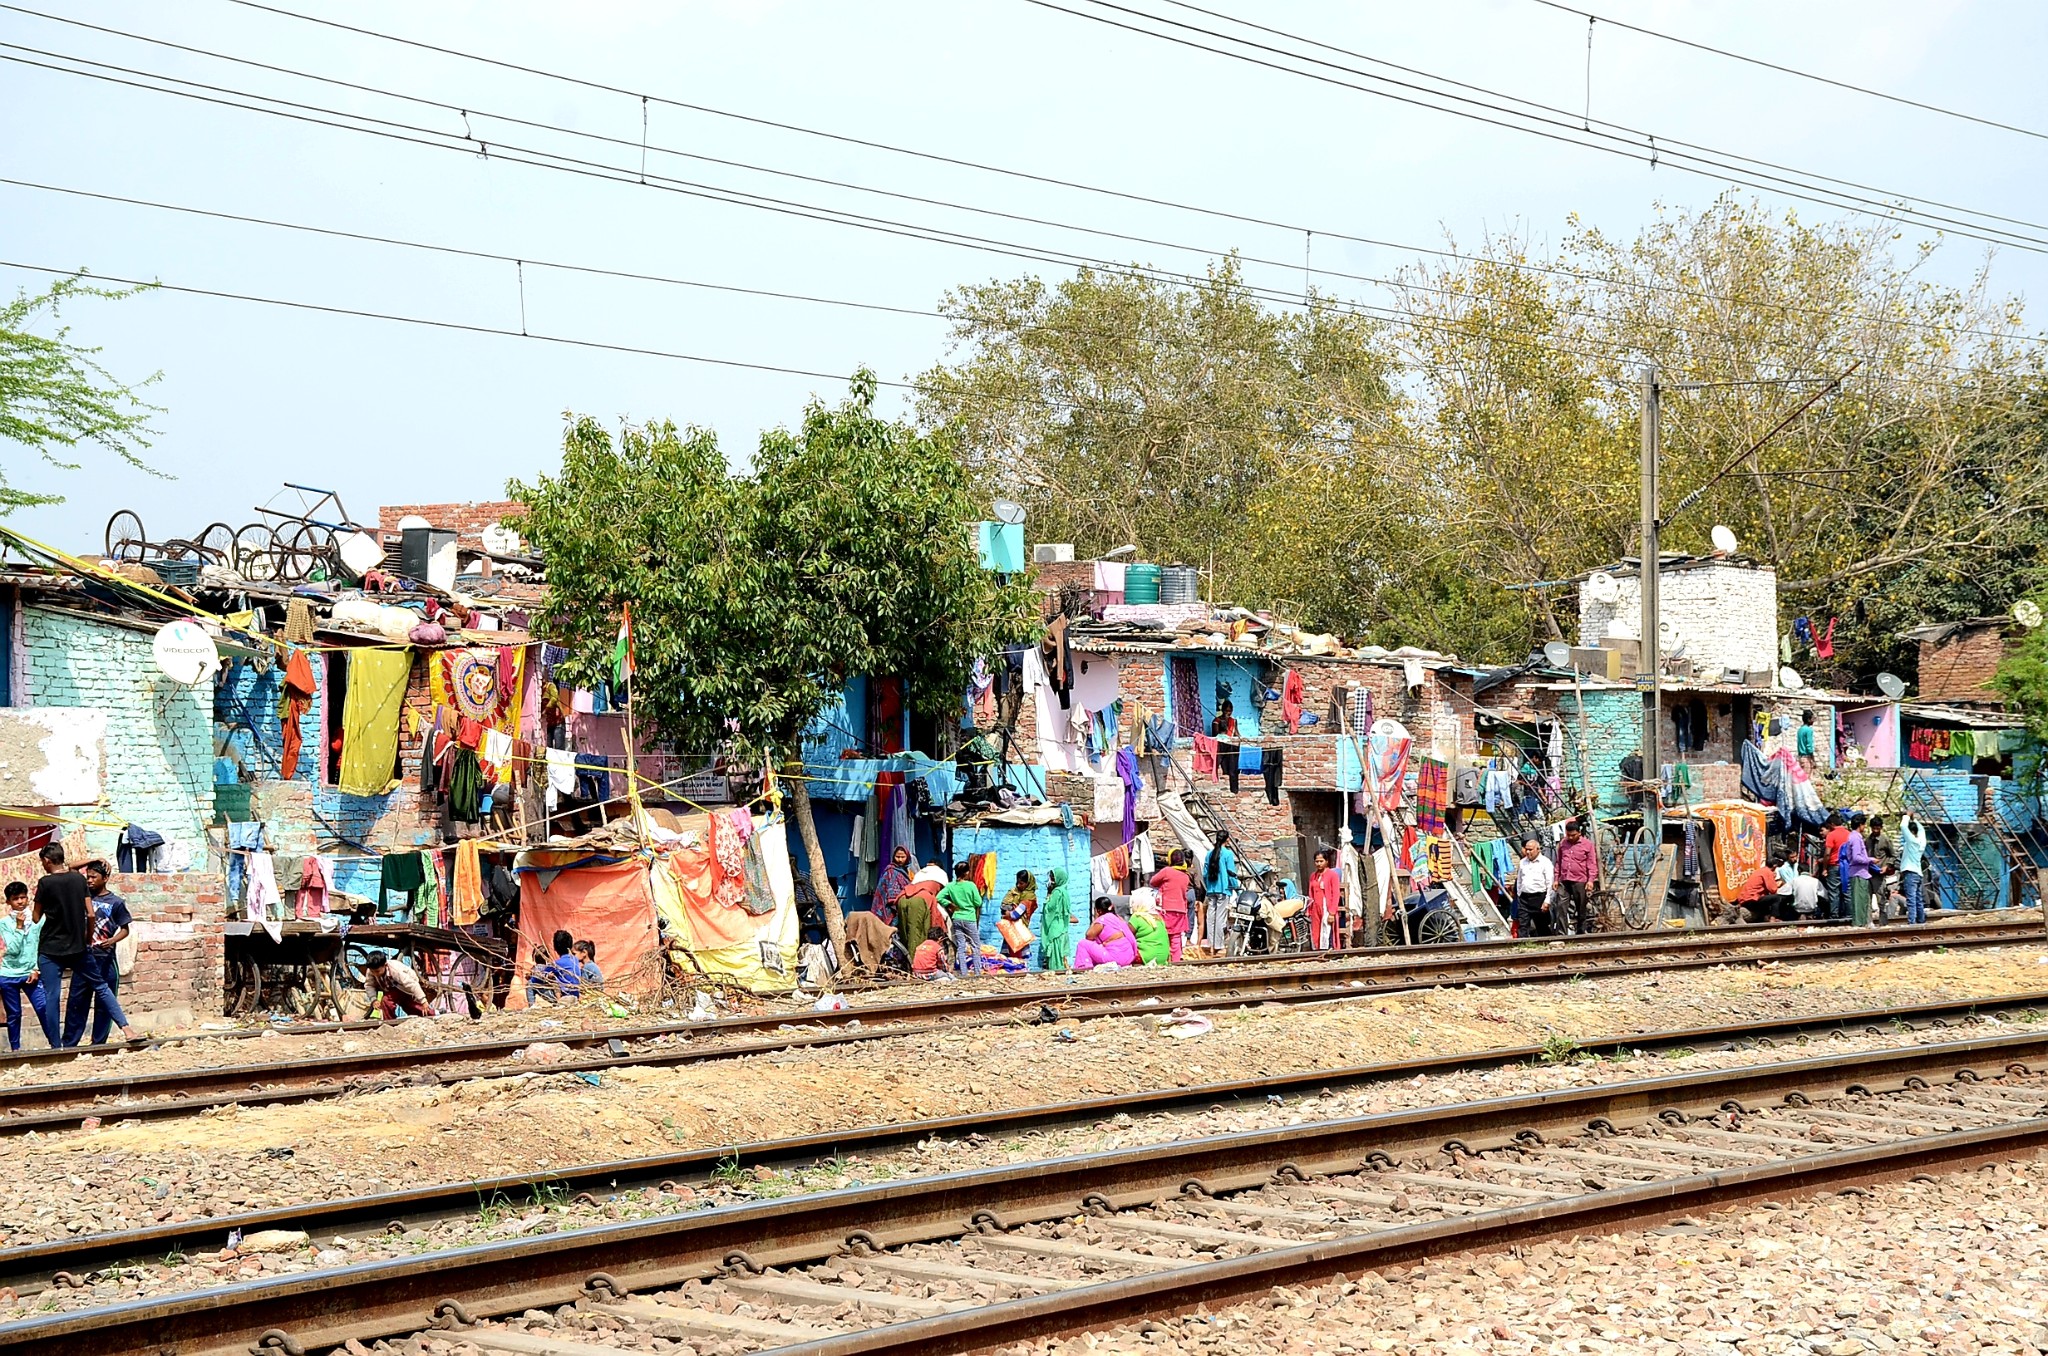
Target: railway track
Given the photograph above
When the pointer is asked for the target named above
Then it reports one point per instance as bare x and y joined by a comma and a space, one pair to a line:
56, 1104
1715, 940
31, 1268
969, 1260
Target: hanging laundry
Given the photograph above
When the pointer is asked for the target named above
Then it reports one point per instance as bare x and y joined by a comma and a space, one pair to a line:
1272, 770
316, 877
1432, 795
1205, 756
298, 690
1387, 760
1251, 757
369, 719
1127, 772
1824, 643
466, 898
1291, 692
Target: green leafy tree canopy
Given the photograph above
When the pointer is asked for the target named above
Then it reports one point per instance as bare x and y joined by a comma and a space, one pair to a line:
55, 396
846, 548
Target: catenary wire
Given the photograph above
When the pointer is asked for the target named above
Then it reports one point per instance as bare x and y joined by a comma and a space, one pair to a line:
1796, 72
1222, 214
1536, 340
1624, 143
1554, 114
435, 139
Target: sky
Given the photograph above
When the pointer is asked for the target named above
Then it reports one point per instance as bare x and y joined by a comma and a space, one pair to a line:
380, 412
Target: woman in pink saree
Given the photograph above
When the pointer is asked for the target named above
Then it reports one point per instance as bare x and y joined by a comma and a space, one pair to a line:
1110, 941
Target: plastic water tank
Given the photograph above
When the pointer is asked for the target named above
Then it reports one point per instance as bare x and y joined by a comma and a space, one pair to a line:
1180, 584
1141, 584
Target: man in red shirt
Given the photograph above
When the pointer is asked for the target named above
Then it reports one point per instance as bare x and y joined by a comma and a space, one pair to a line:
1578, 870
1831, 848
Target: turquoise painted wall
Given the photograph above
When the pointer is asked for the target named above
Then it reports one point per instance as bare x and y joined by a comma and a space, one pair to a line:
159, 747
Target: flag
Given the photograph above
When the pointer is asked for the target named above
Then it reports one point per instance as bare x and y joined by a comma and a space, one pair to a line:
622, 652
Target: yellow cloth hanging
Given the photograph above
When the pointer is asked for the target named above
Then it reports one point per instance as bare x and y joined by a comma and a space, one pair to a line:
369, 720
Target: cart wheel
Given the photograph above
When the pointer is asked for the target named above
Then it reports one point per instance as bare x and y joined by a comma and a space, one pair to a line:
244, 987
251, 556
1439, 927
303, 552
1635, 904
330, 999
125, 539
215, 544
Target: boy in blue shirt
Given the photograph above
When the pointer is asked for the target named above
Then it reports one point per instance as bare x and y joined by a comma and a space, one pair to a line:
557, 980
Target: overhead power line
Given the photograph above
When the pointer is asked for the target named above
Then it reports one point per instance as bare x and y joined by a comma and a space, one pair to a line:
1217, 213
1572, 129
1796, 72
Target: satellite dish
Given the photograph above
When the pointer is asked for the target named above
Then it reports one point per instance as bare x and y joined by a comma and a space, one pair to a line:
412, 520
1891, 685
2027, 613
1724, 540
1558, 654
184, 653
1603, 587
361, 552
1789, 677
1007, 511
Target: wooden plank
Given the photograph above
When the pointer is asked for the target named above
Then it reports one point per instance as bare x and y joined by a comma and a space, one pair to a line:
799, 1290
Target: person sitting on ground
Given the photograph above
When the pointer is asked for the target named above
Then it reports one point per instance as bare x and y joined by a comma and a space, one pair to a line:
1755, 897
1109, 942
557, 980
930, 960
1148, 928
591, 978
394, 987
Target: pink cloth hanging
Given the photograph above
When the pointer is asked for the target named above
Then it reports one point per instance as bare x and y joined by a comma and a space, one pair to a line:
311, 900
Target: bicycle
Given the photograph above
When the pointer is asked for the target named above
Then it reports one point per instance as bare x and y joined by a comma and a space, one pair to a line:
1628, 857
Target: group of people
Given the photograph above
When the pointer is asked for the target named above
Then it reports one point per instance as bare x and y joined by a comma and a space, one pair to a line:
1862, 876
929, 920
72, 926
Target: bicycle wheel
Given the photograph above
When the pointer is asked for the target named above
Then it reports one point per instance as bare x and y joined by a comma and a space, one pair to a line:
305, 552
251, 557
125, 539
1635, 903
1438, 926
215, 544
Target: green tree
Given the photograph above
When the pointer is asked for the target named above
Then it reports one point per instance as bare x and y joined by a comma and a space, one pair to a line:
54, 395
845, 549
1193, 421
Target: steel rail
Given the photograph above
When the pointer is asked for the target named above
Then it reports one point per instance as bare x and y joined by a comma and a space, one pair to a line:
43, 1106
25, 1267
329, 1307
1749, 934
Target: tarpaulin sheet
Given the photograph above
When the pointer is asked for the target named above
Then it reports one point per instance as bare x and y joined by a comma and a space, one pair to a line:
756, 951
1738, 842
609, 904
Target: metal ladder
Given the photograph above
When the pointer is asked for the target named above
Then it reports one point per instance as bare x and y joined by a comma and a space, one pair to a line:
1976, 880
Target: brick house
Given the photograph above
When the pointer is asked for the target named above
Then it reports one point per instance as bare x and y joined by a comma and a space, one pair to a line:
1958, 659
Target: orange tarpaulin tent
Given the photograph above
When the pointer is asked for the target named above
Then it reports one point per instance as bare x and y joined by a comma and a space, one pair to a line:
608, 904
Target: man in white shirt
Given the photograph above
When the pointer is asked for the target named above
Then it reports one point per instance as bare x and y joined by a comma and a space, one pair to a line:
1805, 895
1535, 879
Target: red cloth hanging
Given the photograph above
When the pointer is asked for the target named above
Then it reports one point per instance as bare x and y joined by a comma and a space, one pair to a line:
1291, 692
1824, 643
299, 687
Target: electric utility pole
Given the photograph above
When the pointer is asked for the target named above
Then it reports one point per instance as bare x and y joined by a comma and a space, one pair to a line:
1649, 676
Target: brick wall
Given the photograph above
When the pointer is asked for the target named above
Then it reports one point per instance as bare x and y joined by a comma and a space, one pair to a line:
1960, 668
1726, 615
159, 741
247, 706
1036, 850
180, 951
467, 521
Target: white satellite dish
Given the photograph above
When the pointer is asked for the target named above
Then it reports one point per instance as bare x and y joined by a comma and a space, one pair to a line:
1724, 539
2027, 613
1603, 587
412, 520
361, 552
1891, 685
1558, 654
1007, 511
184, 653
1789, 677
